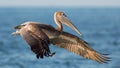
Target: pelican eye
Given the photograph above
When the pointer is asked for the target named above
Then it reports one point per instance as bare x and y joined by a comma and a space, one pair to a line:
64, 15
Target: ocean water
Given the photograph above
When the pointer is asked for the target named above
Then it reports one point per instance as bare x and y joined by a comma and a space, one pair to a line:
100, 28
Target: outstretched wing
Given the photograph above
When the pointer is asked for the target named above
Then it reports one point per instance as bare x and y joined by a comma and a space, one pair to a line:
38, 41
74, 44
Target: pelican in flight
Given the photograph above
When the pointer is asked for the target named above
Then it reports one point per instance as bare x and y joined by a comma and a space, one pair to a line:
40, 36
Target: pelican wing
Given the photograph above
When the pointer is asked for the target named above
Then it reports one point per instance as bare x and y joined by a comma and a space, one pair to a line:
37, 40
78, 46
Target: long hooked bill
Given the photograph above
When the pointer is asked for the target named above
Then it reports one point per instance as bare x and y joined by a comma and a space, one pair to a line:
67, 22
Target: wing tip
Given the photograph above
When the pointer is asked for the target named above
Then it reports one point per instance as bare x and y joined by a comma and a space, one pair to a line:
104, 59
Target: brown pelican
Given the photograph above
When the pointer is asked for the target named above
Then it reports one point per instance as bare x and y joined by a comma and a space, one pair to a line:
40, 36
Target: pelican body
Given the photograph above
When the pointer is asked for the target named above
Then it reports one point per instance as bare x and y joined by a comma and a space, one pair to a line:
40, 36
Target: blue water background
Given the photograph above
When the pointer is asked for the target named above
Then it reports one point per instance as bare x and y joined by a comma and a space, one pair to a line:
100, 28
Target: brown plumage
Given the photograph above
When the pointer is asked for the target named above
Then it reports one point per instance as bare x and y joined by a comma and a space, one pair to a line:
40, 36
74, 44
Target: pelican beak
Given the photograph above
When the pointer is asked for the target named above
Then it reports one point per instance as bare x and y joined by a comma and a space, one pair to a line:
66, 21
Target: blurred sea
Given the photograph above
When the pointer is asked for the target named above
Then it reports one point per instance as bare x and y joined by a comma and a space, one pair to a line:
100, 28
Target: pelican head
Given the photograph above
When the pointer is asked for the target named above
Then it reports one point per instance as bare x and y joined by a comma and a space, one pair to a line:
60, 18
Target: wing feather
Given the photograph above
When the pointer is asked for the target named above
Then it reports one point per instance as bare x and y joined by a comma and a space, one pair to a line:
37, 39
74, 44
